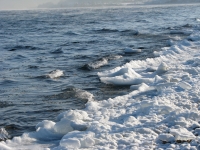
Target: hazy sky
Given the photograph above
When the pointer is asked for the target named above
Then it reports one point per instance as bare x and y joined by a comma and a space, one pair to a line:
29, 4
23, 4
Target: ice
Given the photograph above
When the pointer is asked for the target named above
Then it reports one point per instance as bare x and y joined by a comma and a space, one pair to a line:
119, 71
123, 76
182, 134
55, 74
63, 126
162, 68
77, 139
70, 143
3, 134
166, 137
4, 147
140, 87
185, 85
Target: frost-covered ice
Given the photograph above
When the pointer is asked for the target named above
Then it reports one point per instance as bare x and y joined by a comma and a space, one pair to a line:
161, 110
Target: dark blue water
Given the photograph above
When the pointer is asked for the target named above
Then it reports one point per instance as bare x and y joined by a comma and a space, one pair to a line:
78, 42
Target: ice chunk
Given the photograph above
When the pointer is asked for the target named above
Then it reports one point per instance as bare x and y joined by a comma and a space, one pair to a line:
79, 125
131, 120
182, 134
166, 137
70, 143
4, 147
125, 80
162, 68
55, 74
185, 85
3, 134
73, 115
118, 72
161, 86
123, 76
87, 142
140, 87
45, 124
63, 126
76, 140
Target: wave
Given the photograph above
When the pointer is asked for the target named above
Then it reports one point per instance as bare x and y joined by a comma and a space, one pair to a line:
55, 74
106, 30
72, 92
100, 62
71, 33
57, 51
33, 67
122, 32
23, 47
52, 75
180, 32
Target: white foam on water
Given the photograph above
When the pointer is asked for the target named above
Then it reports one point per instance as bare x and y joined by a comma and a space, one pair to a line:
130, 50
161, 110
55, 74
99, 63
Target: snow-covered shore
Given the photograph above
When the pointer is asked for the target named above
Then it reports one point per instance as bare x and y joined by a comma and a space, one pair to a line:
161, 111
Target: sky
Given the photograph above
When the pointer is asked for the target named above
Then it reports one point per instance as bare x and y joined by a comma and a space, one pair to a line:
31, 4
22, 4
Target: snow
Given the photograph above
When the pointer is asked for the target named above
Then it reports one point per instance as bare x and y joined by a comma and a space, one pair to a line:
166, 137
161, 111
3, 134
182, 134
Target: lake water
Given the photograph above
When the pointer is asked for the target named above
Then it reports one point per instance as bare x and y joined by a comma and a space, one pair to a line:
80, 42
